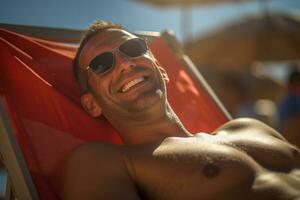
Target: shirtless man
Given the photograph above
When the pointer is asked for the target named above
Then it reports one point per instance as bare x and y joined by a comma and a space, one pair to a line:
120, 78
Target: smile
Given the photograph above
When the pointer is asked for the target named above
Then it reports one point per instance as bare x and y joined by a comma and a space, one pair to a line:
132, 83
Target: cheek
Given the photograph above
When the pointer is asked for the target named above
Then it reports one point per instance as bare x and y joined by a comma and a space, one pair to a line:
93, 84
149, 62
97, 89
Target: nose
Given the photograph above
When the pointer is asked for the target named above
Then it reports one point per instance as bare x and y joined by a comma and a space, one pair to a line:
123, 63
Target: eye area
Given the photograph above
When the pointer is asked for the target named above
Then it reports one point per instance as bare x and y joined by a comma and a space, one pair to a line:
102, 63
134, 48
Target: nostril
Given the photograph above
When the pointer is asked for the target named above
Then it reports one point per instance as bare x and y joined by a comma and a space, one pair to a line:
126, 65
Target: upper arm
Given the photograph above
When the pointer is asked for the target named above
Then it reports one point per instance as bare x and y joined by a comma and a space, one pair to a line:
97, 171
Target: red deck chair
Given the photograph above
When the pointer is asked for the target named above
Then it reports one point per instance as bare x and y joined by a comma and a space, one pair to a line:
42, 120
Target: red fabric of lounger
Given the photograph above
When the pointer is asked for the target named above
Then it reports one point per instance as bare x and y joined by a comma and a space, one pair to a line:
42, 97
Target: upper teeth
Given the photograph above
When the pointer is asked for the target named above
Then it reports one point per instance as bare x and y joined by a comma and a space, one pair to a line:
128, 85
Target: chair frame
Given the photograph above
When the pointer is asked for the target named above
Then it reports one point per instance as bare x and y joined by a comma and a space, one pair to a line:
11, 155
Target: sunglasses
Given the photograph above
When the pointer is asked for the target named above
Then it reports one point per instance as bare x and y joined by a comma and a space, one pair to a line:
104, 62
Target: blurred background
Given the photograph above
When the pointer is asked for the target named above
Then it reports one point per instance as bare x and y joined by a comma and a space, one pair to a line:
248, 50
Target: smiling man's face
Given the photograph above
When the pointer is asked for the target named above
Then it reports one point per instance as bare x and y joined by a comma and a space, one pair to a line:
129, 87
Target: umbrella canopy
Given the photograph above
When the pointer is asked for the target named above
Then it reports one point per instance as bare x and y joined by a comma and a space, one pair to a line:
268, 37
182, 3
185, 5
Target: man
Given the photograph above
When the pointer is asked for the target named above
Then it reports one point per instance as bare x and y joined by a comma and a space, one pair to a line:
120, 79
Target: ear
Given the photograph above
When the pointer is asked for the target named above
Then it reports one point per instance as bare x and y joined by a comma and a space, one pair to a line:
163, 72
90, 105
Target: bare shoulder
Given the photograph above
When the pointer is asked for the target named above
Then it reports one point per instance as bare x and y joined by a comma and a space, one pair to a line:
247, 125
96, 151
86, 159
97, 170
264, 144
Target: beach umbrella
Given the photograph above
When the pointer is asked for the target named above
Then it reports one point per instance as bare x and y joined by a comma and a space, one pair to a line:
268, 37
185, 5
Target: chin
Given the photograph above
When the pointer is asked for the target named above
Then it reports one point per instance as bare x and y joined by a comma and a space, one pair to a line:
150, 101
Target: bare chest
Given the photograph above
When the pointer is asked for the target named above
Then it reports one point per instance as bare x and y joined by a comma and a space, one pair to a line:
189, 169
204, 166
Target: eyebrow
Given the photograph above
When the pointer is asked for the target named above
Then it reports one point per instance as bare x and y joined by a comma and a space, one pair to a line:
105, 43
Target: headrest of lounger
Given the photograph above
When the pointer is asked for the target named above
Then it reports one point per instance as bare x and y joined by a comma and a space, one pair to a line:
47, 60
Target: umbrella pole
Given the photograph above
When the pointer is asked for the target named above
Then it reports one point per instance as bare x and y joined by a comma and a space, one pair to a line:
185, 23
263, 5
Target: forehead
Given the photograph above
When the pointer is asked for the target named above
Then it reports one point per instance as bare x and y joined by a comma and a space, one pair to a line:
103, 41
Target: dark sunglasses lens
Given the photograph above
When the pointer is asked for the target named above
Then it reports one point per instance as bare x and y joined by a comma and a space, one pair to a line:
102, 63
134, 48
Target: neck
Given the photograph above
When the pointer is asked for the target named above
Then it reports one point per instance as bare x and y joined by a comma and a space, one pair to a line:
152, 129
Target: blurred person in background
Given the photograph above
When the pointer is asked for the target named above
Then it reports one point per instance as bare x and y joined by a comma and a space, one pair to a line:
289, 109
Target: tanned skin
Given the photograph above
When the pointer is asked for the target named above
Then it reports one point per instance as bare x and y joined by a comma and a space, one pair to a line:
160, 159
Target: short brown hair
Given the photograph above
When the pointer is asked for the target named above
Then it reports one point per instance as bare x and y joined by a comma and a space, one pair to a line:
95, 28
